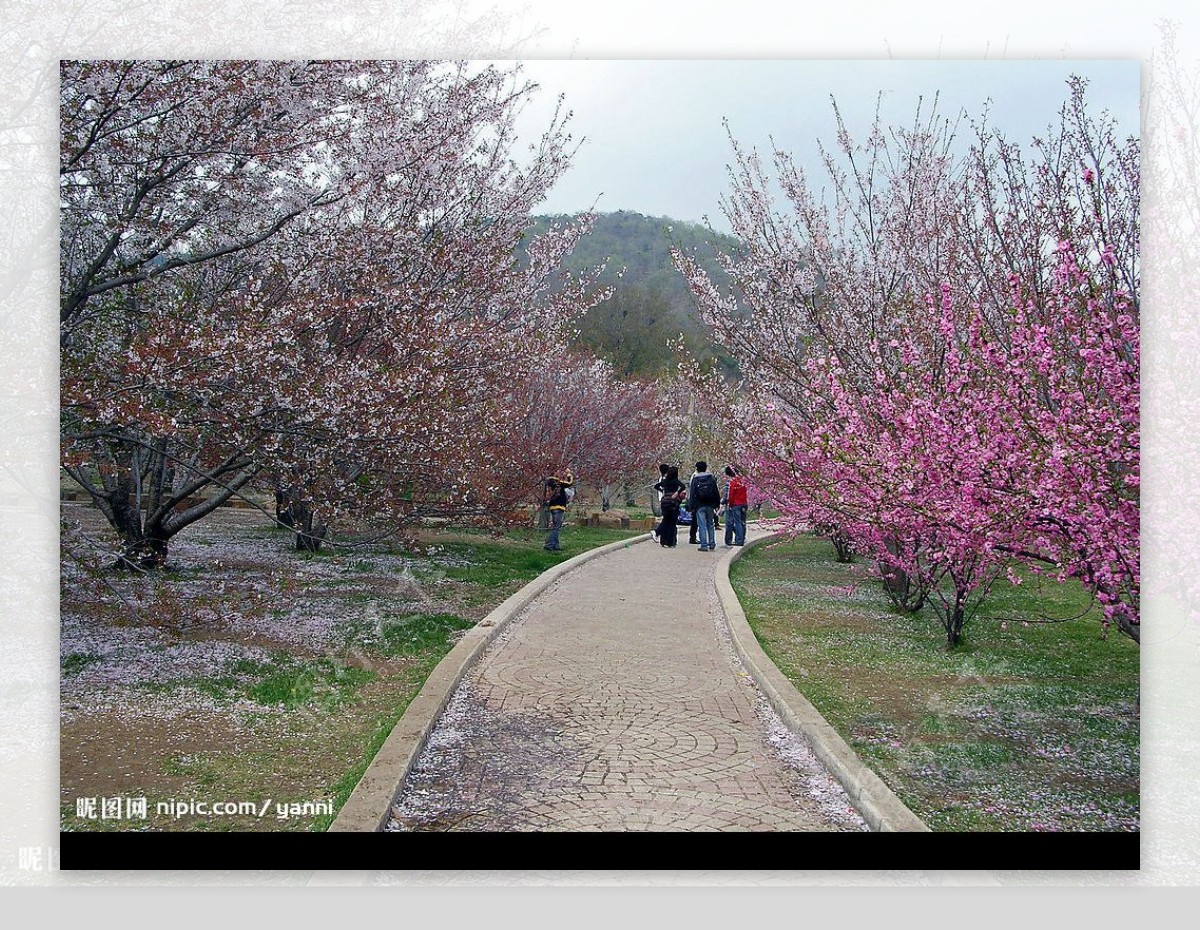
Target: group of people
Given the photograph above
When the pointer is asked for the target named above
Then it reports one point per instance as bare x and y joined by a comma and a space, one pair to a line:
702, 496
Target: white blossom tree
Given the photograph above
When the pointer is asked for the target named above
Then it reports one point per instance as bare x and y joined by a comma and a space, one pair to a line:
302, 272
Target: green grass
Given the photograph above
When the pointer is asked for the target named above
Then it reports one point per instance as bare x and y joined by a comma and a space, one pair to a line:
283, 680
70, 664
323, 681
520, 556
415, 634
1024, 726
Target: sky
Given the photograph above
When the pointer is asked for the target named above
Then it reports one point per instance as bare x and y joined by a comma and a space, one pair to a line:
653, 134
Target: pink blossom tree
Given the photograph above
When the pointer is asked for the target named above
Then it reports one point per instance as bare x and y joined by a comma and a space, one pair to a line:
941, 358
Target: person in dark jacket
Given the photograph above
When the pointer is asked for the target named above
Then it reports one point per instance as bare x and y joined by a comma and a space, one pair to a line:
672, 494
691, 521
704, 496
688, 518
656, 503
557, 505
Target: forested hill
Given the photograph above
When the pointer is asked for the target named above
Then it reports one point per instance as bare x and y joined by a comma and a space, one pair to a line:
651, 303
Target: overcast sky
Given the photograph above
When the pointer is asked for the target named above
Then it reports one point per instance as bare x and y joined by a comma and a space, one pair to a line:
654, 140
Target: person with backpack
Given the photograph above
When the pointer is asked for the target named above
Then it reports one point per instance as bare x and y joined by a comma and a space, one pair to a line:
561, 492
704, 496
688, 518
672, 490
735, 508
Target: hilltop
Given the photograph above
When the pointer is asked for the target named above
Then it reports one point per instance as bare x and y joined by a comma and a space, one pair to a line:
651, 303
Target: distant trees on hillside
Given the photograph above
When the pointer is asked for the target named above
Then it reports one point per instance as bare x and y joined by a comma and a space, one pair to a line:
634, 330
651, 306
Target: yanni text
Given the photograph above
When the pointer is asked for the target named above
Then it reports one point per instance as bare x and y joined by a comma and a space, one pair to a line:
302, 809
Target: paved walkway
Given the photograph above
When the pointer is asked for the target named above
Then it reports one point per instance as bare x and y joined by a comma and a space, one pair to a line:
615, 702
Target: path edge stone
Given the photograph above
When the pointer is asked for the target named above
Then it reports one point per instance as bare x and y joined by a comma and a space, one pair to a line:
872, 798
370, 803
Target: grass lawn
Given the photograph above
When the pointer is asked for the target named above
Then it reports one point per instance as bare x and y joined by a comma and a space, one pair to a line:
250, 673
1025, 726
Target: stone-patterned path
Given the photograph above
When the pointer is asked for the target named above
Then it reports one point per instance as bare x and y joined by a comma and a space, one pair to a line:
616, 702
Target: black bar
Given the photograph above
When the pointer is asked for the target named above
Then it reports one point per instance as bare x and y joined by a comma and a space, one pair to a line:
944, 851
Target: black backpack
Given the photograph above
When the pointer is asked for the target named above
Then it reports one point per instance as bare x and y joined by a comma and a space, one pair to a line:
707, 494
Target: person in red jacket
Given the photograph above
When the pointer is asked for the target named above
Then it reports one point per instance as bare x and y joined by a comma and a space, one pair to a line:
735, 508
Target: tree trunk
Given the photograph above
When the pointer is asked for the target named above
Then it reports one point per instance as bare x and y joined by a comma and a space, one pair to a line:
955, 620
900, 589
309, 531
842, 546
148, 552
148, 494
1130, 629
143, 544
899, 585
283, 513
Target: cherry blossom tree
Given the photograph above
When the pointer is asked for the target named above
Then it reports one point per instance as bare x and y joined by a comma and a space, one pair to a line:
295, 272
941, 357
